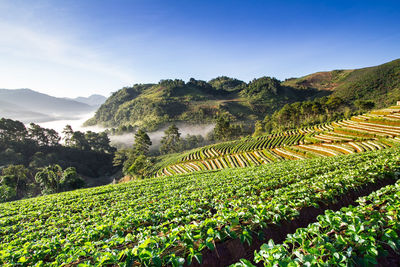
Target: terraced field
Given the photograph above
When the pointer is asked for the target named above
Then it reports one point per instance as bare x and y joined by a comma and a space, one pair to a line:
377, 130
177, 220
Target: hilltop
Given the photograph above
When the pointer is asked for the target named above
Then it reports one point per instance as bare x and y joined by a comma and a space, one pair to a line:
154, 105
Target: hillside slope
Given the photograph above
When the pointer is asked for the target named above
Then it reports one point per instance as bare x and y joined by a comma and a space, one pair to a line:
379, 83
151, 105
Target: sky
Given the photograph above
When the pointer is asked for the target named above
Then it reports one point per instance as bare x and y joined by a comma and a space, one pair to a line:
82, 47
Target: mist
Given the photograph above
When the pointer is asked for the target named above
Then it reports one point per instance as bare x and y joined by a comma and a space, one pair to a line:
127, 140
75, 122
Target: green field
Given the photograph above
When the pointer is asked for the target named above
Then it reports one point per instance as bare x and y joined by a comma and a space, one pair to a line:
174, 220
354, 236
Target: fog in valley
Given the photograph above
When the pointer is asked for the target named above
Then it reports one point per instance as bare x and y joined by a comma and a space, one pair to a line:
125, 140
75, 122
184, 129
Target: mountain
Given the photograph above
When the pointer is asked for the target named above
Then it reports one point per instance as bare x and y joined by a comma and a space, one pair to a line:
379, 83
30, 106
153, 105
93, 100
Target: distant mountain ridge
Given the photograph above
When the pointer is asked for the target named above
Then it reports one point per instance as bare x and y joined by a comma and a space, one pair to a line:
30, 106
93, 100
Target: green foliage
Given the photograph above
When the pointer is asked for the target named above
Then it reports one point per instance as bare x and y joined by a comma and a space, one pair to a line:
142, 142
306, 113
353, 236
53, 179
227, 84
43, 136
7, 193
36, 147
364, 104
171, 141
11, 131
262, 88
170, 220
140, 168
16, 177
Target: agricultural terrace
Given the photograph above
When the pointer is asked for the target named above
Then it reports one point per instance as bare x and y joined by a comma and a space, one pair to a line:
376, 130
176, 220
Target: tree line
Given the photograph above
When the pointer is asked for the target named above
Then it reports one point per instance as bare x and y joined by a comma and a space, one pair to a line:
36, 160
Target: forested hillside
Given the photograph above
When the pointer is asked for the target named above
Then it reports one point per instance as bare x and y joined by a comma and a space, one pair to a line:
314, 98
152, 105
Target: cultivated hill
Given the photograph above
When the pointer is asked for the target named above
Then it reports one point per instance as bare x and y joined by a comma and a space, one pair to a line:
216, 218
375, 130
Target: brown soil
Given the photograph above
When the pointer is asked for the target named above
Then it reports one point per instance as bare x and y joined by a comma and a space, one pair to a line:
232, 250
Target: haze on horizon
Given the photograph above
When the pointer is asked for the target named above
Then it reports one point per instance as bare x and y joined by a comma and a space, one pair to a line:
78, 48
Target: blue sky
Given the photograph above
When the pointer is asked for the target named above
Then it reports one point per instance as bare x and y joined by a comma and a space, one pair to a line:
71, 48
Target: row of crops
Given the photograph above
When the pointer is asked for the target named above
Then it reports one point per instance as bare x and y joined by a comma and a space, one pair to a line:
360, 134
248, 144
354, 236
287, 138
173, 220
264, 156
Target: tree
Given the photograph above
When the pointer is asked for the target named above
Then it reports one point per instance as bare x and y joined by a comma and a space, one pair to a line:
43, 136
259, 128
53, 179
7, 193
79, 141
49, 178
12, 131
222, 130
70, 180
191, 141
68, 133
142, 143
120, 157
37, 134
170, 142
17, 177
139, 168
364, 104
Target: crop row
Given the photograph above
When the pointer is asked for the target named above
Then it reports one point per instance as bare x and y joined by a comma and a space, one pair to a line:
248, 144
171, 220
264, 156
353, 236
